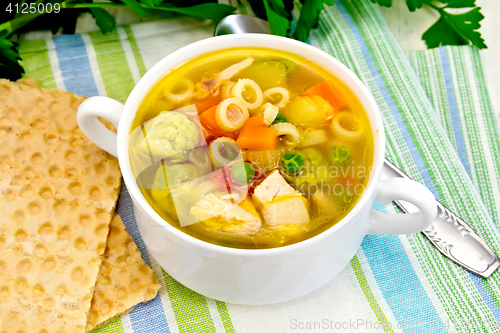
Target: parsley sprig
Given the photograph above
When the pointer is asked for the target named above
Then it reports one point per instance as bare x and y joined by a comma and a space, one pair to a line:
450, 28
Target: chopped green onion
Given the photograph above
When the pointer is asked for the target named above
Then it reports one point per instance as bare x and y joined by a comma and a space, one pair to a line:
290, 66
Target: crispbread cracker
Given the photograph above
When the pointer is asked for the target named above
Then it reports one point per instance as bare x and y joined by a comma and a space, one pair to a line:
57, 194
124, 279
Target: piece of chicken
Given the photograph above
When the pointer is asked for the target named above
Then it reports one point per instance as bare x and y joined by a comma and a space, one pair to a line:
280, 203
220, 214
274, 186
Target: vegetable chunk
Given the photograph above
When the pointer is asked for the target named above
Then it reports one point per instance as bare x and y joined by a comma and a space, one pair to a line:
170, 135
308, 111
324, 90
256, 135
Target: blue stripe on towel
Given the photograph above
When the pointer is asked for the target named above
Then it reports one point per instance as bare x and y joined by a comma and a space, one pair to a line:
74, 64
485, 295
462, 153
412, 148
145, 317
384, 251
452, 102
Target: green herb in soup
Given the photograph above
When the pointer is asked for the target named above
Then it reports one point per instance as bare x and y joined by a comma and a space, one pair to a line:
251, 148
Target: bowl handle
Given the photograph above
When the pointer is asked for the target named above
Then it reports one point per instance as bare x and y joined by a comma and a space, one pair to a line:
406, 190
103, 107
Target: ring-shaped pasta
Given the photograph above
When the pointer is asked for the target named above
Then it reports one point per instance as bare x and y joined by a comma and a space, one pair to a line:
313, 137
187, 90
283, 92
226, 87
231, 114
224, 139
270, 113
290, 131
344, 132
241, 86
217, 150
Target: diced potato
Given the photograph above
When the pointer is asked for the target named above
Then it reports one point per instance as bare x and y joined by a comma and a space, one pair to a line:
308, 112
274, 186
313, 138
323, 205
292, 210
267, 74
265, 159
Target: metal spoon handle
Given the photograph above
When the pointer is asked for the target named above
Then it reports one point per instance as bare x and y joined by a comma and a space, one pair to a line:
451, 235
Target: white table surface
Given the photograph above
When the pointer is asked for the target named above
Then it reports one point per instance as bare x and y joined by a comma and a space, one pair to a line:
408, 28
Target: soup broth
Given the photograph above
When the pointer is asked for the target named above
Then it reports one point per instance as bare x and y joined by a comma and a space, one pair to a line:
251, 148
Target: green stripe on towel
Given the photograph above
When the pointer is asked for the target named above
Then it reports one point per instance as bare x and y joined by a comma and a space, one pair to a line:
112, 60
190, 308
224, 315
360, 275
135, 50
36, 62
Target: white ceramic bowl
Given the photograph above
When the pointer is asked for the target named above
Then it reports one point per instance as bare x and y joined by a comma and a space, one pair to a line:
262, 276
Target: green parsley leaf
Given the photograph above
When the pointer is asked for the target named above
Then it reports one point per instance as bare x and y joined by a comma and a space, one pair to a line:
449, 29
136, 7
278, 24
104, 20
309, 16
414, 4
213, 11
455, 29
461, 3
441, 34
150, 3
9, 58
383, 3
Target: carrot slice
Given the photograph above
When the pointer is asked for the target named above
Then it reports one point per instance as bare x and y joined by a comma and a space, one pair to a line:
257, 121
207, 103
324, 90
210, 126
257, 138
256, 135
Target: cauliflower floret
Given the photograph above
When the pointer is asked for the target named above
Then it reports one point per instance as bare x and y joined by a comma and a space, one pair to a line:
171, 134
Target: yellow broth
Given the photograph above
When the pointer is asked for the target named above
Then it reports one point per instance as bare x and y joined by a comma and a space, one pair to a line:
302, 75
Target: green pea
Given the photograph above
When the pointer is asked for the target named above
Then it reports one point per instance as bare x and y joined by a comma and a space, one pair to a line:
339, 156
280, 118
242, 172
292, 162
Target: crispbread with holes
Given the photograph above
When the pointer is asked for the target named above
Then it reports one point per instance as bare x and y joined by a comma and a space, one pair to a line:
124, 279
57, 195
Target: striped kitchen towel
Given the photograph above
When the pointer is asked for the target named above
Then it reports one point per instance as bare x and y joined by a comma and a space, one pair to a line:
441, 131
